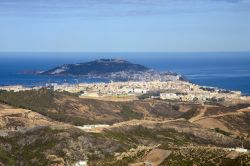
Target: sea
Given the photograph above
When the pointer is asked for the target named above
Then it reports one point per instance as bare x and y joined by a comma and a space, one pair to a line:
225, 70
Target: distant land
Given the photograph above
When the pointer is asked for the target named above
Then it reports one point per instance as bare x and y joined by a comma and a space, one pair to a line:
112, 69
97, 67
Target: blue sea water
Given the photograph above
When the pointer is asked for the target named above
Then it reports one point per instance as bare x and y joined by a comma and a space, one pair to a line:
227, 70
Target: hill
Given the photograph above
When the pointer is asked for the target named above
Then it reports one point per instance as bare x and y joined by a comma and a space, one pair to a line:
123, 143
44, 131
112, 69
97, 67
66, 107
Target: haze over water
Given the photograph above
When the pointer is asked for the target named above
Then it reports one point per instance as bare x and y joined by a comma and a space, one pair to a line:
228, 70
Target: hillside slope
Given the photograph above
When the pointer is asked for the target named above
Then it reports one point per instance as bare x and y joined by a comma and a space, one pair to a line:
40, 128
71, 109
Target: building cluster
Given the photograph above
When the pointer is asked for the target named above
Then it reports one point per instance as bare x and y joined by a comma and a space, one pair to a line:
165, 90
168, 90
198, 94
146, 76
18, 88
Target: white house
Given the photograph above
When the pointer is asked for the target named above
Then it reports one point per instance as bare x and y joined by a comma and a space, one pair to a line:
168, 96
139, 91
242, 150
82, 163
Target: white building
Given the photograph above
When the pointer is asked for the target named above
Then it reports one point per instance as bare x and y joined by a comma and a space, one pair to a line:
139, 91
241, 150
168, 96
81, 163
89, 127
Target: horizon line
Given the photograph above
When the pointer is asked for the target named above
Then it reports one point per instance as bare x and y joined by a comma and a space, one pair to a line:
246, 51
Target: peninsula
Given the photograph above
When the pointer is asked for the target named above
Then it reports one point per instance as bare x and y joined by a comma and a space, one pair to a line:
112, 69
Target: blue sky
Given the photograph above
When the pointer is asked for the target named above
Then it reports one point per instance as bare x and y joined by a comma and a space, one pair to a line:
124, 25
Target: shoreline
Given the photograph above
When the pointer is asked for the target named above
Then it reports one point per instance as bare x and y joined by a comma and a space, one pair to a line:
47, 84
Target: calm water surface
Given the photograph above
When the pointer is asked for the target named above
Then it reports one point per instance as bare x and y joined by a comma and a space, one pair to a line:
229, 70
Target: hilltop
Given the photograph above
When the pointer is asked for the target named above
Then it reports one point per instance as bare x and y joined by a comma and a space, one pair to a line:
97, 67
112, 69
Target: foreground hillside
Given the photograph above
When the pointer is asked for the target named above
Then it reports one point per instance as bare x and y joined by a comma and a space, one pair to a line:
66, 107
119, 145
39, 127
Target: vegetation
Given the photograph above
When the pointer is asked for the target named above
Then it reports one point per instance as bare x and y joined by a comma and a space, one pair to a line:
224, 109
6, 157
138, 134
218, 130
41, 101
149, 94
129, 114
203, 156
190, 113
215, 101
102, 66
27, 152
189, 144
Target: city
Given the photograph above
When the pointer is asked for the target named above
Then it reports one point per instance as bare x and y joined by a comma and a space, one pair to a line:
167, 90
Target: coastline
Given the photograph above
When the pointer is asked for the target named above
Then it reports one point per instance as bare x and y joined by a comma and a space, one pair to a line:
34, 80
206, 69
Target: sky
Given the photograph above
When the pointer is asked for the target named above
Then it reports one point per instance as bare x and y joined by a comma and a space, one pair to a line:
124, 25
